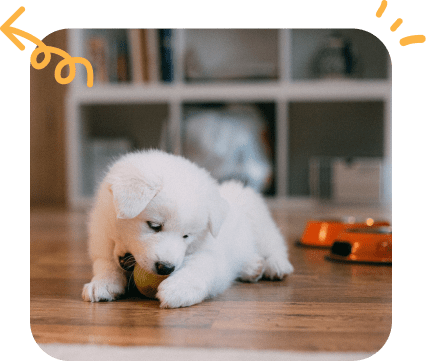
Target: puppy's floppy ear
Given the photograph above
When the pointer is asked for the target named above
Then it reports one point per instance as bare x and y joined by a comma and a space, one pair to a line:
131, 194
217, 214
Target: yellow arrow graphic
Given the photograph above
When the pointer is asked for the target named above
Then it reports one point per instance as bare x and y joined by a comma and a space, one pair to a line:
7, 30
10, 32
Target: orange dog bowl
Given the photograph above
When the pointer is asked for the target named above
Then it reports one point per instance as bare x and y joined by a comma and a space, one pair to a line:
323, 233
363, 245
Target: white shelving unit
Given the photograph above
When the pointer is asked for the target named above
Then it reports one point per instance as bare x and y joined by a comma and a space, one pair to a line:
289, 87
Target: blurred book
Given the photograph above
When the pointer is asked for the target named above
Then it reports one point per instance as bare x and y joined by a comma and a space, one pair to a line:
166, 54
97, 53
137, 55
153, 55
122, 61
144, 55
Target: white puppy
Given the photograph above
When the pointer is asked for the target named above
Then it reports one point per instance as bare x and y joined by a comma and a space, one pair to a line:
175, 219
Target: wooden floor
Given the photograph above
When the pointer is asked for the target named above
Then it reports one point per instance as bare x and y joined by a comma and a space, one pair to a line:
323, 306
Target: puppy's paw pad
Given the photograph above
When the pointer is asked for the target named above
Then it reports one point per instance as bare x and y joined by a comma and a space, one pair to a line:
102, 290
175, 292
277, 268
252, 271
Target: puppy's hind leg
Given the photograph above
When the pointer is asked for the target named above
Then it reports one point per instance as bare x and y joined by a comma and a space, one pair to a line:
253, 270
270, 243
274, 250
276, 268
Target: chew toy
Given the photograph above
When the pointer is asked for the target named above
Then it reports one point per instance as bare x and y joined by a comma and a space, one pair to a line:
147, 283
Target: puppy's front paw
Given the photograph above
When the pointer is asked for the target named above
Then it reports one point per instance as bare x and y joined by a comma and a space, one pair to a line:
104, 289
177, 291
276, 268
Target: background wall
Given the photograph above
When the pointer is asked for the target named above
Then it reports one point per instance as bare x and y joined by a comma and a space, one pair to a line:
48, 182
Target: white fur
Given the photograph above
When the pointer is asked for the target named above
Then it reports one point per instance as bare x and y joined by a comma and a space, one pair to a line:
231, 234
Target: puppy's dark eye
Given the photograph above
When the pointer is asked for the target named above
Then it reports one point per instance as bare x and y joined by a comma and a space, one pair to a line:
155, 226
185, 236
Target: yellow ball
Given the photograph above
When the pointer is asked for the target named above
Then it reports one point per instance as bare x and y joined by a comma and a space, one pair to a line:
147, 283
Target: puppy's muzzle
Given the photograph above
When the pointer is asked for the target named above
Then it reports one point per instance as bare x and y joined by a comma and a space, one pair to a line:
164, 268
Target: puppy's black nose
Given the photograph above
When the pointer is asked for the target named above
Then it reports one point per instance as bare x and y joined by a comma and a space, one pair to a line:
164, 268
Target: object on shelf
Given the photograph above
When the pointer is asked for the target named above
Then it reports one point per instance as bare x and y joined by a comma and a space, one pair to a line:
231, 54
357, 180
192, 65
322, 233
230, 143
336, 59
345, 180
366, 245
107, 50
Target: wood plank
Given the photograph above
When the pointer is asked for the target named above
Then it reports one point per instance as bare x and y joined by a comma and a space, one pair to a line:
323, 306
207, 338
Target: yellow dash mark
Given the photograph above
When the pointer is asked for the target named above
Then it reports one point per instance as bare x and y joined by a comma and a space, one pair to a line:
396, 24
382, 8
413, 39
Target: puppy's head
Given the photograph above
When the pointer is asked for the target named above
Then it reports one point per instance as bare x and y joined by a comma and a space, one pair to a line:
165, 206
